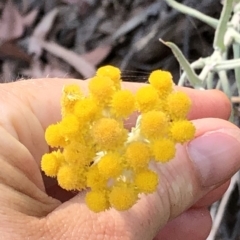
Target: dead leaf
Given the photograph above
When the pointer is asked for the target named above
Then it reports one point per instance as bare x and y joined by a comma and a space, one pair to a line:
97, 55
11, 50
29, 19
75, 1
11, 22
43, 28
78, 62
41, 31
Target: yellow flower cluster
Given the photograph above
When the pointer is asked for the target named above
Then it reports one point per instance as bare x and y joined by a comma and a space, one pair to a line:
96, 152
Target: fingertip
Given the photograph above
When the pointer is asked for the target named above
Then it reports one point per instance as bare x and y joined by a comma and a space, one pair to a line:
205, 103
208, 103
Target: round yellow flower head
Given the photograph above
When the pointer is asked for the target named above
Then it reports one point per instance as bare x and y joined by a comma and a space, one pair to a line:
70, 177
108, 134
71, 93
112, 72
123, 197
138, 155
78, 154
97, 201
123, 103
178, 105
53, 136
146, 181
51, 162
182, 131
87, 109
95, 180
69, 125
162, 81
163, 150
154, 124
110, 165
102, 89
147, 98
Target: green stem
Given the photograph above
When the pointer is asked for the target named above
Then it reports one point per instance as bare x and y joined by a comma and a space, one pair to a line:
226, 65
236, 54
234, 34
195, 65
225, 83
222, 25
204, 73
192, 76
209, 80
182, 79
193, 13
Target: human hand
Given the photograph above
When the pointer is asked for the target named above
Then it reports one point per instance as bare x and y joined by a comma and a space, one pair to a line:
32, 206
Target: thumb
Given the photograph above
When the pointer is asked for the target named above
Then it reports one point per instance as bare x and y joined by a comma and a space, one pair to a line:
200, 166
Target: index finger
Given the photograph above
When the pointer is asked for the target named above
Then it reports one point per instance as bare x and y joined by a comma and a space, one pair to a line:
43, 98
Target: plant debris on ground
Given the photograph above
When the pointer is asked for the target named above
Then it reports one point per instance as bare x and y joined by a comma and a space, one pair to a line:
70, 38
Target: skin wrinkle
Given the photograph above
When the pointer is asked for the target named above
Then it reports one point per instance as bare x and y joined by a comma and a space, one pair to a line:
145, 212
23, 161
6, 122
17, 125
165, 195
9, 173
170, 173
148, 212
45, 148
18, 225
22, 203
9, 176
11, 99
18, 122
35, 128
153, 207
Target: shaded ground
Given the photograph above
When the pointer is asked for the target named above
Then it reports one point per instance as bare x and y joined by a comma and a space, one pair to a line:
124, 33
70, 38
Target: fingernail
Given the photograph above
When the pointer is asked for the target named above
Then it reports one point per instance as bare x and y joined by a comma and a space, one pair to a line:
216, 155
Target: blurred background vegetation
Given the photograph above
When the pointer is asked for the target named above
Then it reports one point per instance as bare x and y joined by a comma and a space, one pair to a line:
70, 38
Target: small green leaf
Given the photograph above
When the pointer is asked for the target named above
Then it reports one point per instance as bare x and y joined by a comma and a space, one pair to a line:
192, 76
